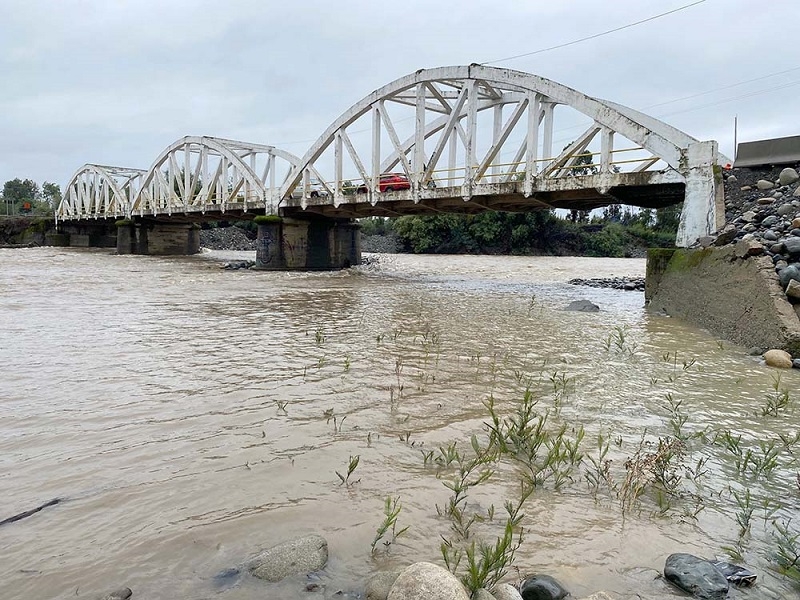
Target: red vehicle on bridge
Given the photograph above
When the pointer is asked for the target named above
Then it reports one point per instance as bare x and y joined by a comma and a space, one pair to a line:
389, 182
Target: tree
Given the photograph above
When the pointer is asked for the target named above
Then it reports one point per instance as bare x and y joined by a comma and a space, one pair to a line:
51, 193
18, 190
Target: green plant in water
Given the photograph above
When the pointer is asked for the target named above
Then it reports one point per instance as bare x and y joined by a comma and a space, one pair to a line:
319, 336
787, 542
618, 341
281, 405
346, 362
351, 467
777, 401
391, 510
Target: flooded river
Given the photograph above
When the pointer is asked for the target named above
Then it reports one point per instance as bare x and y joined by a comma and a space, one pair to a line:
188, 416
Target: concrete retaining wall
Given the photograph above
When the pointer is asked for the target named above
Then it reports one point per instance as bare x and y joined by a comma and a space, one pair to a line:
738, 299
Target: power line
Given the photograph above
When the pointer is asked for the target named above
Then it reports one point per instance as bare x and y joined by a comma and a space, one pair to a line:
596, 35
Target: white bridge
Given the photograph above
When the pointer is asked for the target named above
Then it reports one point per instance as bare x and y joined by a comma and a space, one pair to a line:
454, 139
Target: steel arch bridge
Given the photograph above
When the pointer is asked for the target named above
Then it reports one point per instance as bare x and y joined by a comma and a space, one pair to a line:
450, 139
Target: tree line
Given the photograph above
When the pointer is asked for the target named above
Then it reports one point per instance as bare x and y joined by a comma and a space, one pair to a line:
23, 196
616, 231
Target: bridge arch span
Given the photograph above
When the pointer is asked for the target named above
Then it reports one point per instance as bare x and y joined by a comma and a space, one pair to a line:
481, 131
99, 191
196, 174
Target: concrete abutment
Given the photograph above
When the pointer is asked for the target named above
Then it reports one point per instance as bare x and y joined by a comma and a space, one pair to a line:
738, 299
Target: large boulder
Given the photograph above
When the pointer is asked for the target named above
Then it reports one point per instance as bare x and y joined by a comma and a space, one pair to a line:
763, 184
793, 289
483, 594
301, 555
778, 358
788, 176
542, 587
424, 580
695, 575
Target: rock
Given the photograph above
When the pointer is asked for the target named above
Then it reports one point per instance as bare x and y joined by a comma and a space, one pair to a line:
788, 176
797, 191
599, 596
379, 584
765, 201
763, 184
749, 216
785, 210
705, 241
226, 579
778, 358
745, 188
428, 581
795, 364
542, 587
735, 574
697, 576
120, 594
787, 274
731, 179
582, 306
506, 591
755, 351
769, 221
726, 236
793, 289
796, 221
483, 594
777, 248
745, 248
301, 555
781, 264
770, 235
792, 245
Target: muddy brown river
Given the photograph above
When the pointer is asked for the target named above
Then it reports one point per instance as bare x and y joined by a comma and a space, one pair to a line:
188, 416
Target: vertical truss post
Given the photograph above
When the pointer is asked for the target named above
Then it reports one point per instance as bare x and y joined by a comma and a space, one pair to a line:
606, 148
337, 154
372, 186
419, 139
532, 142
471, 156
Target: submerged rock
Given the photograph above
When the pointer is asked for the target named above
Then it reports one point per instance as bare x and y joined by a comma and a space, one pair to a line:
120, 594
428, 581
582, 306
542, 587
379, 584
695, 575
301, 555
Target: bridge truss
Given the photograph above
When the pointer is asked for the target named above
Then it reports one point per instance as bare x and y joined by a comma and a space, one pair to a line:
97, 191
471, 138
450, 139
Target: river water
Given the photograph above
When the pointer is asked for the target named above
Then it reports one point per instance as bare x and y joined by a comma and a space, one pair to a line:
188, 416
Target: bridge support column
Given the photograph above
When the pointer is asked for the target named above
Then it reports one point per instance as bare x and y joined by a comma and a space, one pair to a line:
704, 203
126, 237
162, 239
316, 243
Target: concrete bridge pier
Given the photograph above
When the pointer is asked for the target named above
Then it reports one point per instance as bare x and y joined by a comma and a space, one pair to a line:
157, 238
316, 243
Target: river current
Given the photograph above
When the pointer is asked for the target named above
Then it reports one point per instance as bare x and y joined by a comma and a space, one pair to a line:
188, 416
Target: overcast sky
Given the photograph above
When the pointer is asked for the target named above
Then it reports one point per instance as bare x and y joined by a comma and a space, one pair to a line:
115, 81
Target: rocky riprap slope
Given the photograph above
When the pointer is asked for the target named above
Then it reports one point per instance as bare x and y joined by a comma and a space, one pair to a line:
629, 284
226, 238
762, 213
